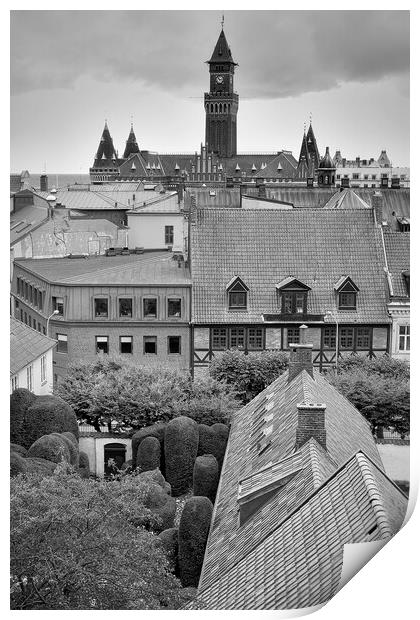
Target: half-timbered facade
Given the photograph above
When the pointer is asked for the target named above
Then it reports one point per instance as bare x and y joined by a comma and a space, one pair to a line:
259, 274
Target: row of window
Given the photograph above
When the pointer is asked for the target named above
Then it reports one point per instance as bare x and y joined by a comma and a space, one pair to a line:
150, 346
30, 375
30, 293
252, 338
290, 302
101, 307
26, 318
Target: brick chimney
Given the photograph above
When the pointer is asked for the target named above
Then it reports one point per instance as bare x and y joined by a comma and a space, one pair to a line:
377, 205
43, 183
300, 359
262, 192
311, 423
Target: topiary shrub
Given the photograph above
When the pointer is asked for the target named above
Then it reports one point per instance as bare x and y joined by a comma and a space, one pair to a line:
83, 472
156, 430
206, 476
51, 448
161, 505
20, 401
72, 438
192, 538
17, 464
83, 460
49, 414
148, 454
169, 541
14, 447
73, 449
181, 445
213, 440
40, 466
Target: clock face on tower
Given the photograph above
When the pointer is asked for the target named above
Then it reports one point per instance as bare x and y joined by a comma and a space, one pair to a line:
219, 79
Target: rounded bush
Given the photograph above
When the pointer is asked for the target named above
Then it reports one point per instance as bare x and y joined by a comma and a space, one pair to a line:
205, 440
156, 430
14, 447
83, 472
153, 475
206, 476
51, 448
73, 450
17, 464
192, 538
213, 440
72, 438
148, 454
162, 505
169, 541
20, 401
49, 414
84, 460
40, 466
181, 445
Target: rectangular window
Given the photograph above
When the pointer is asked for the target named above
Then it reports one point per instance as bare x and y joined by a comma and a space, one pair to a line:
40, 300
294, 302
355, 176
62, 343
39, 327
43, 369
150, 345
15, 383
174, 308
255, 338
219, 338
293, 335
174, 344
237, 300
34, 323
363, 338
169, 235
58, 304
126, 307
300, 299
373, 177
126, 344
347, 301
16, 304
404, 338
29, 370
26, 319
18, 281
365, 176
288, 303
44, 331
237, 338
21, 315
346, 338
101, 344
150, 307
26, 290
101, 307
329, 337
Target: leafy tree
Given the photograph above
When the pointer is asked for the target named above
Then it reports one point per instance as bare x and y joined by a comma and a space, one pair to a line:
384, 399
74, 545
384, 365
137, 396
248, 374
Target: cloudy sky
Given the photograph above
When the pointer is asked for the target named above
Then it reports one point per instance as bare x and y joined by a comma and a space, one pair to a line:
72, 69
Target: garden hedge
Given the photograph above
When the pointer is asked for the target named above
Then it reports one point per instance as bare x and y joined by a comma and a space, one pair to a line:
83, 460
148, 454
181, 445
206, 476
40, 466
169, 540
14, 447
51, 447
73, 450
72, 438
17, 464
156, 430
48, 414
162, 505
213, 440
20, 401
192, 538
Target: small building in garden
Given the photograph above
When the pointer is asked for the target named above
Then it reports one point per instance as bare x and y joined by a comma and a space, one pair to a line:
31, 359
301, 479
106, 451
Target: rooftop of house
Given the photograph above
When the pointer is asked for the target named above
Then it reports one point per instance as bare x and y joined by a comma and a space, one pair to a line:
397, 248
25, 220
150, 268
100, 198
26, 345
262, 247
284, 510
346, 199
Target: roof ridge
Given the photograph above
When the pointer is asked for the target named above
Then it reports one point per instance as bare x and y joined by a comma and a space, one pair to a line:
375, 496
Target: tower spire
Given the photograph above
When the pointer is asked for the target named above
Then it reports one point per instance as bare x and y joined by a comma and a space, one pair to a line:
131, 145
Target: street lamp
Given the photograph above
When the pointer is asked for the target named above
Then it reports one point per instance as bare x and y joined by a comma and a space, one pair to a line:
48, 321
329, 313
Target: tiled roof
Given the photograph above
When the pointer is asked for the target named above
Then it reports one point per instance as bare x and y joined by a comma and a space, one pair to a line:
346, 199
397, 248
145, 269
316, 246
222, 197
308, 197
261, 161
161, 203
25, 220
97, 199
288, 553
26, 345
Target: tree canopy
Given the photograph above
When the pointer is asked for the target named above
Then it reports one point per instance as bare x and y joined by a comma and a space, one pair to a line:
75, 545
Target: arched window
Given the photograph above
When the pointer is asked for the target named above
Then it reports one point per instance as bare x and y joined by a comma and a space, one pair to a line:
326, 179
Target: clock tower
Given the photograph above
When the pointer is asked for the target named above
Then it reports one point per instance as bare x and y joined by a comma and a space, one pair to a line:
221, 103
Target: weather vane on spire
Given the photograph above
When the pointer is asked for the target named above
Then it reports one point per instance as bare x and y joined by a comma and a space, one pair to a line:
223, 20
310, 118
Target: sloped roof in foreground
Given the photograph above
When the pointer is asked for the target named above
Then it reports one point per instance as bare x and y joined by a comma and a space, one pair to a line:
289, 552
26, 345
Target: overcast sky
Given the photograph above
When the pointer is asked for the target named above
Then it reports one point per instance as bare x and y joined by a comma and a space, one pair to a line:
72, 69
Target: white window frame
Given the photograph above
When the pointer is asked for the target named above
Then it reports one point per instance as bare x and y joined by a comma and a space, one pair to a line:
43, 369
29, 377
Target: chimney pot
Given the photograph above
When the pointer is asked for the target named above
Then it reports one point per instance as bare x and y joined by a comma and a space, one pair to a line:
377, 205
300, 359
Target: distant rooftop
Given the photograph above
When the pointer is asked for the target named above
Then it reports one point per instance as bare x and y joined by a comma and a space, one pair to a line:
26, 345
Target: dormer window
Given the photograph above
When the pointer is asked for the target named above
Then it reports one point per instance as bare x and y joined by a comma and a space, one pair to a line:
347, 293
237, 292
293, 296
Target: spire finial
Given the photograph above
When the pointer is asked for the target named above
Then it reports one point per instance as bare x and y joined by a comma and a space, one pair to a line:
310, 118
304, 127
131, 118
223, 20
